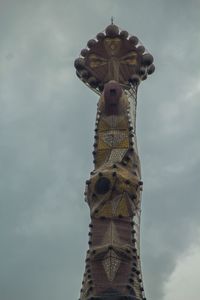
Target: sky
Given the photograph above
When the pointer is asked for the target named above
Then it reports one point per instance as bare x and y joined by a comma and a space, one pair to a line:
47, 121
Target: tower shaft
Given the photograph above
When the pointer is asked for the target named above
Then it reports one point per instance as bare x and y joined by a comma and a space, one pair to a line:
113, 195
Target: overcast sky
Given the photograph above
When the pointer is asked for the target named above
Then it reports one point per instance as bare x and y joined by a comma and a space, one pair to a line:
46, 135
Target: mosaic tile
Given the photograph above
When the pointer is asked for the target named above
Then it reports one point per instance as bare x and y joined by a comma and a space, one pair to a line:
111, 264
102, 156
105, 211
117, 155
114, 137
122, 207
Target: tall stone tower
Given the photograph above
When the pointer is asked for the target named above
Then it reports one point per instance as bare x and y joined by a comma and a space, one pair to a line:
113, 65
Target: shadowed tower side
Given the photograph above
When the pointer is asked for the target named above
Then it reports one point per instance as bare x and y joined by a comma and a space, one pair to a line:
113, 65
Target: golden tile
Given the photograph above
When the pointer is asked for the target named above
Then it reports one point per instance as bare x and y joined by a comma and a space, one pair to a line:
106, 211
122, 208
102, 156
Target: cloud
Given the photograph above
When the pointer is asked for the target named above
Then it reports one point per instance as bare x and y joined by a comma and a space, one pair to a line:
183, 283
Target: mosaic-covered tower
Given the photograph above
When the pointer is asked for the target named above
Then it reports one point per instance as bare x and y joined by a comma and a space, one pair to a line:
113, 65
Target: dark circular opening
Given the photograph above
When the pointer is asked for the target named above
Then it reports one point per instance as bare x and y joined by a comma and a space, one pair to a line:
102, 185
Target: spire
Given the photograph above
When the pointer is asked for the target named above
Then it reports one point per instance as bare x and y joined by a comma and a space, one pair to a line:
113, 64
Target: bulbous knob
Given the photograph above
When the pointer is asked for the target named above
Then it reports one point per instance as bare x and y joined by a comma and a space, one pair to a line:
112, 30
147, 59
